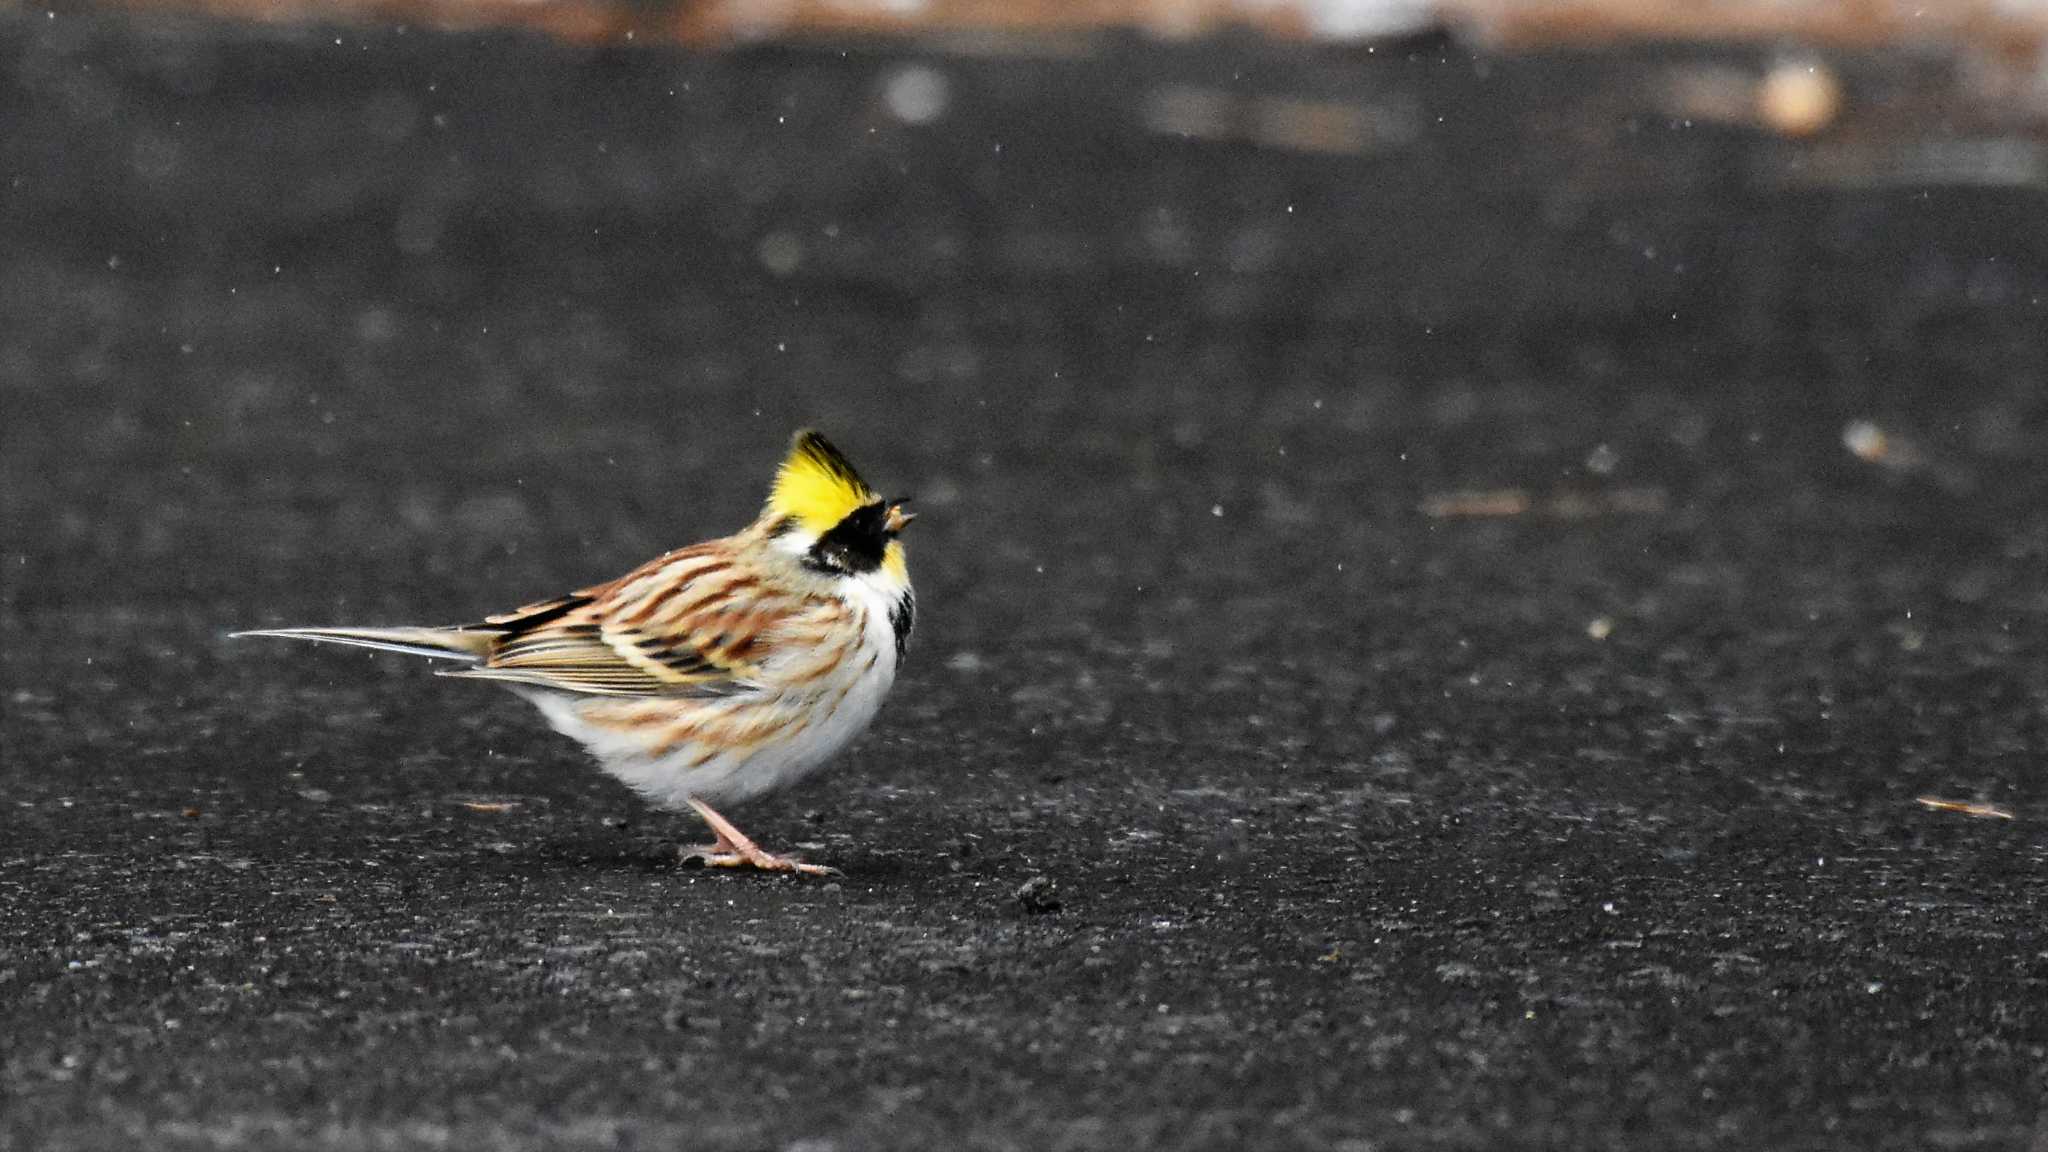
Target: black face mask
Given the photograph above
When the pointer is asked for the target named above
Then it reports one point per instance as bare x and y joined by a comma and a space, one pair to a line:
855, 544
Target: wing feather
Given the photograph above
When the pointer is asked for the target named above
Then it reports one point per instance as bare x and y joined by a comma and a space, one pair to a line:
690, 623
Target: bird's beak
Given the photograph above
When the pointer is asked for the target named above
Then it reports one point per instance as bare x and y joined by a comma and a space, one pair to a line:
897, 519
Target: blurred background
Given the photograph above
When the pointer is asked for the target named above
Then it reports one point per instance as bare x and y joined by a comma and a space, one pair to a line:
1483, 568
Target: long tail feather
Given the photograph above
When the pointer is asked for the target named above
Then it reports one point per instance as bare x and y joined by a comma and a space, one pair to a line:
439, 643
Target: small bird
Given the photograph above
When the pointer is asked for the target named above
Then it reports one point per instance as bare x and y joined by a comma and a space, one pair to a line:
716, 673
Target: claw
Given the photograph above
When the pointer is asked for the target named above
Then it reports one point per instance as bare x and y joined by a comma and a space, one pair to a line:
735, 850
710, 856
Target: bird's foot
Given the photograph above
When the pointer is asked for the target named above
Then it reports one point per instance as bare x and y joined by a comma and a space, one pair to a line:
751, 856
735, 850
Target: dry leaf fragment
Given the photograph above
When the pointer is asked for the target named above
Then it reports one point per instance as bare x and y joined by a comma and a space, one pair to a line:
1497, 502
1500, 503
1986, 811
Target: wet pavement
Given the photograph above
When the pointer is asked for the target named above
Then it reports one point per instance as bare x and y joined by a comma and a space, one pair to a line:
1435, 627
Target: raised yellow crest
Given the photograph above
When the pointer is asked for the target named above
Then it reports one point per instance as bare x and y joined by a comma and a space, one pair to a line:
817, 485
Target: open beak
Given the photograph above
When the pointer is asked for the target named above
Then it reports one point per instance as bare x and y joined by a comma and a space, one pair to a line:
897, 519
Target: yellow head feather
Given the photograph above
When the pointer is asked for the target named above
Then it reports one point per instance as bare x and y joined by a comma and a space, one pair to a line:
817, 485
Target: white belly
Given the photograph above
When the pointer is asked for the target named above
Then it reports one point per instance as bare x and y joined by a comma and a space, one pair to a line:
822, 718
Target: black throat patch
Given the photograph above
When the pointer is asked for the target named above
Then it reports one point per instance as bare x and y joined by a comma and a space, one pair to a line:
901, 618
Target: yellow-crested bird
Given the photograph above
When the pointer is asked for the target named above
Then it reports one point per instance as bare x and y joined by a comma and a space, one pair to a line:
716, 673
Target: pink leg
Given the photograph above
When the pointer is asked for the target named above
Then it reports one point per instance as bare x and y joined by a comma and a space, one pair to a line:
735, 850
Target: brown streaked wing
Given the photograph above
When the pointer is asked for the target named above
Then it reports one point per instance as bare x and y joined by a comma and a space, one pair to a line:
531, 616
602, 641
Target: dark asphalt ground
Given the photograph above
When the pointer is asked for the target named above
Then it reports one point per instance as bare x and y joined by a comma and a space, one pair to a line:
1359, 834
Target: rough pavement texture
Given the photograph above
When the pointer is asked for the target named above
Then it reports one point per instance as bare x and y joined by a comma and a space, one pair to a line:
1344, 824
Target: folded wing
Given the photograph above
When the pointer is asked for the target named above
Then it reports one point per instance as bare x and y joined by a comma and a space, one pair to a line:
684, 625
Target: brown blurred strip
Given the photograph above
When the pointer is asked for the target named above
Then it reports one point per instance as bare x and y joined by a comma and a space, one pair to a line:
2010, 35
